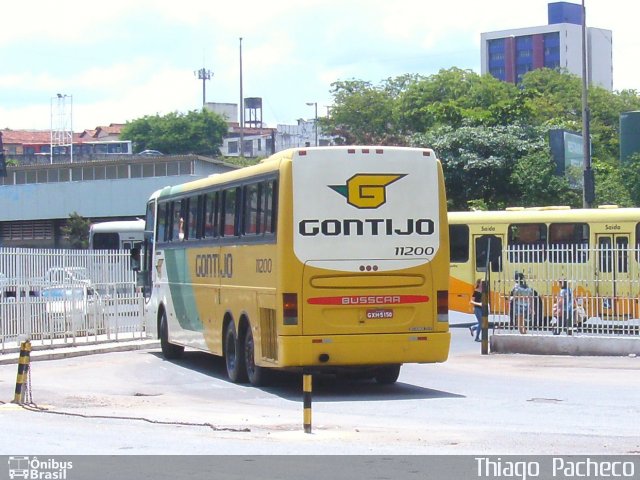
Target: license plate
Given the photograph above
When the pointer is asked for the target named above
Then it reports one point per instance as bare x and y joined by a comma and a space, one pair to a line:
379, 313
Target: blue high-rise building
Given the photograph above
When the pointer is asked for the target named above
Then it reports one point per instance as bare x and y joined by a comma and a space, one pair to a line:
509, 54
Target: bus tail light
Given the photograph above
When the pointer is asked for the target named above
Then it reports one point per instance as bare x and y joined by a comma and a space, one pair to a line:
290, 308
443, 305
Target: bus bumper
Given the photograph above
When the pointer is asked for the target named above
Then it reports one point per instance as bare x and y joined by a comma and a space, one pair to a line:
378, 349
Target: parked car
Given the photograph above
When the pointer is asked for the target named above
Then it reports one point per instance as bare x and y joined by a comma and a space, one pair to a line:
72, 308
151, 153
67, 276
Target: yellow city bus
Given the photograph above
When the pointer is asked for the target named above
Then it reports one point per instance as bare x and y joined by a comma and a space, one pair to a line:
596, 250
331, 258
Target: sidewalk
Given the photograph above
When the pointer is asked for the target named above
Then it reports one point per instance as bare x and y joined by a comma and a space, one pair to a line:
58, 352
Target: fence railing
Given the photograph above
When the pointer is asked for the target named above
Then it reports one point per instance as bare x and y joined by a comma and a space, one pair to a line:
604, 283
63, 297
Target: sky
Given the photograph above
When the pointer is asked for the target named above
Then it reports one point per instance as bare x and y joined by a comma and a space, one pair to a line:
123, 59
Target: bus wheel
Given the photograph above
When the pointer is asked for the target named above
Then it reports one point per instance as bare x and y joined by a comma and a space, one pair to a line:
236, 370
388, 374
257, 375
169, 350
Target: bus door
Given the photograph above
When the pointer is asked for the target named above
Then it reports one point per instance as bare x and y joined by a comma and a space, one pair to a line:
488, 252
613, 278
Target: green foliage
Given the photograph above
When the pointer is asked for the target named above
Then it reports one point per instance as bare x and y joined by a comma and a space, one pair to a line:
363, 114
455, 96
199, 132
77, 230
492, 136
534, 178
479, 161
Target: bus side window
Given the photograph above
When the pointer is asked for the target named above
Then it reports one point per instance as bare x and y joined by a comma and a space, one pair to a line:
527, 242
270, 206
251, 210
459, 243
568, 242
210, 215
229, 212
162, 222
192, 222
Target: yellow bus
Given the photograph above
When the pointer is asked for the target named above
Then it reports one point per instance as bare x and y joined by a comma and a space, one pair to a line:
595, 250
331, 258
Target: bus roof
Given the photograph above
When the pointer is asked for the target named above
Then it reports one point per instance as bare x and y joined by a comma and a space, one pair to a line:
118, 226
607, 213
273, 163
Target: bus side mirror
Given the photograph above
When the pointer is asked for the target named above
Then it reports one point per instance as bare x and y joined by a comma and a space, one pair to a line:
134, 259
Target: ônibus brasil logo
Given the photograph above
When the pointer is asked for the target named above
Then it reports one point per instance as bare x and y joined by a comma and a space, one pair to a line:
367, 190
33, 468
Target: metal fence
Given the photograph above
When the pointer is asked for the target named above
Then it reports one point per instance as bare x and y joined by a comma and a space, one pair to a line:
67, 297
604, 283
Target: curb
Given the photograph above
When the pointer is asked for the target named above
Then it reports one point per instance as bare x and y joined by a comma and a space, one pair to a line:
81, 350
569, 345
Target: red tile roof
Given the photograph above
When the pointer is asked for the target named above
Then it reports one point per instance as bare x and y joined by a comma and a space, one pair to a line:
43, 137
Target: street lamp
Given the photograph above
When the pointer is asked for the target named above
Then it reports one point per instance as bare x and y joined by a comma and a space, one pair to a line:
315, 122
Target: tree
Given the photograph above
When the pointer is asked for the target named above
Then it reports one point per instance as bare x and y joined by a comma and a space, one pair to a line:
77, 230
453, 97
492, 136
198, 131
364, 114
479, 162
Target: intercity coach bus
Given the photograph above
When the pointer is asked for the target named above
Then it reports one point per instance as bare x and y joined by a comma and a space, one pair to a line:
328, 259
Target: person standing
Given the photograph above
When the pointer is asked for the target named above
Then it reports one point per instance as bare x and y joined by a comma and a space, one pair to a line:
476, 301
522, 301
564, 307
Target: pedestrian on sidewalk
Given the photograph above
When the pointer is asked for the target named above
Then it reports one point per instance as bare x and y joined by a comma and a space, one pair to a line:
476, 301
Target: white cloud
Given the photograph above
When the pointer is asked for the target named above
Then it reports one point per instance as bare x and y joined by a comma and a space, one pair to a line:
127, 59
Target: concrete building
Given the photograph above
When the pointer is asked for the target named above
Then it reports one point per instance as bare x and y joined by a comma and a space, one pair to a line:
259, 140
509, 54
105, 181
37, 199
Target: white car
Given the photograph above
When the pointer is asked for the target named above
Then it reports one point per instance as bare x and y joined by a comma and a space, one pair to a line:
72, 308
67, 276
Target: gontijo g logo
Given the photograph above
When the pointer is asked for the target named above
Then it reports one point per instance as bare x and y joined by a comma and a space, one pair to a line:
367, 190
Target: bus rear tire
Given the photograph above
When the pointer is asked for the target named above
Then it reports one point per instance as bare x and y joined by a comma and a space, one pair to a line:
233, 356
257, 375
169, 350
388, 374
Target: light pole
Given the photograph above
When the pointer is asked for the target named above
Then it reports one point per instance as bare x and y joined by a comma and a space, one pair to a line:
588, 185
241, 106
315, 121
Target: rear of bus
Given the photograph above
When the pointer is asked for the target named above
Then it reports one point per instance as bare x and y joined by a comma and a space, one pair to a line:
364, 256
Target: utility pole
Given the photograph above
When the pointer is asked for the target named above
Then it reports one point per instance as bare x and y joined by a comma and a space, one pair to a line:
588, 183
204, 75
241, 106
